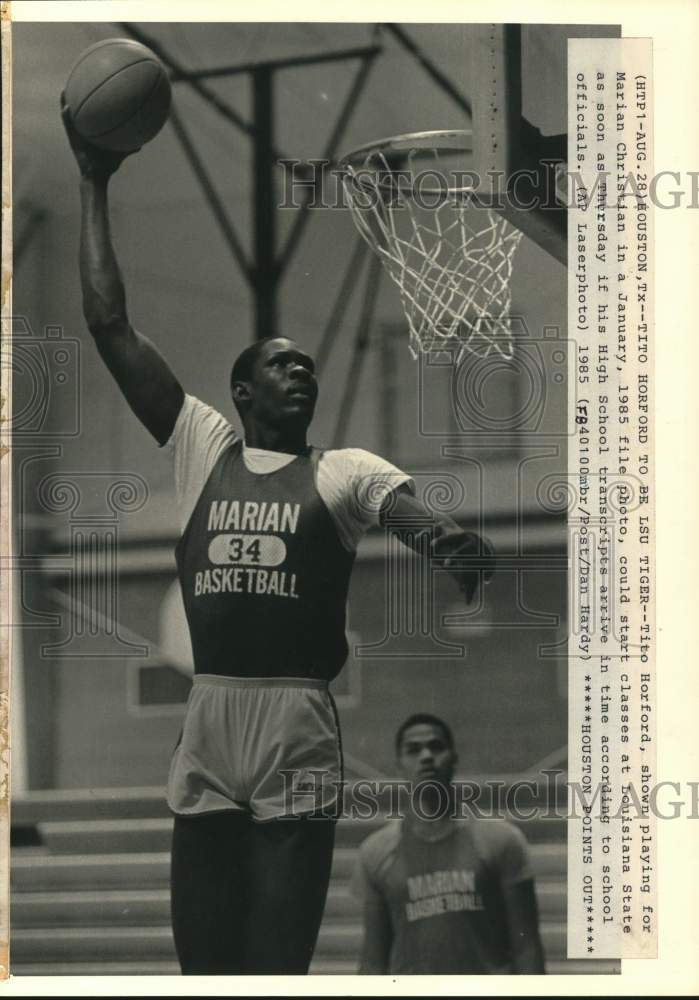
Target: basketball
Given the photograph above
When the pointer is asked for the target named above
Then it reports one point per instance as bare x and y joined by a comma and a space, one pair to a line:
118, 95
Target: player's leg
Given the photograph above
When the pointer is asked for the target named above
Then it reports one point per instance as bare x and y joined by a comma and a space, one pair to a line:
290, 863
210, 892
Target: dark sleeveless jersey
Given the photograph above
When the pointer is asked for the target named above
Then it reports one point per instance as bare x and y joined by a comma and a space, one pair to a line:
264, 574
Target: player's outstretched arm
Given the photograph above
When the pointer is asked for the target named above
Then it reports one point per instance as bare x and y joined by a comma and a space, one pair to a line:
144, 377
468, 557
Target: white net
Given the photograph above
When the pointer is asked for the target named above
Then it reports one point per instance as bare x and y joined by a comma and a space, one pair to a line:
450, 257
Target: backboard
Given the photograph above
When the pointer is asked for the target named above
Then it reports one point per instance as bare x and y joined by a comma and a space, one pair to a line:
519, 108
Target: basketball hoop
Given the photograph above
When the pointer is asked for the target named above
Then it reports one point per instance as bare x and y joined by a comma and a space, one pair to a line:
414, 203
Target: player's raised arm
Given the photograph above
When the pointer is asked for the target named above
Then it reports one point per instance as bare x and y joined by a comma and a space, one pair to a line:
144, 377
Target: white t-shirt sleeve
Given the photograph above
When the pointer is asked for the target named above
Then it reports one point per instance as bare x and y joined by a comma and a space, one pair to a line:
354, 484
198, 439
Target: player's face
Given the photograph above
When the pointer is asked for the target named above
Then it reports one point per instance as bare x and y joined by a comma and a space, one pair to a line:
425, 755
284, 386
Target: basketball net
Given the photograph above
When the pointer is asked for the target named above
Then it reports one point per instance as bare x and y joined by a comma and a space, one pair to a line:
450, 257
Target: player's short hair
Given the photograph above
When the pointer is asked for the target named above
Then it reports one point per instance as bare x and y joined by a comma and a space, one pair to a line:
245, 362
424, 719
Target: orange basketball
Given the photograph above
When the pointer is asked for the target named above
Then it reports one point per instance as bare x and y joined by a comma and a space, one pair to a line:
118, 94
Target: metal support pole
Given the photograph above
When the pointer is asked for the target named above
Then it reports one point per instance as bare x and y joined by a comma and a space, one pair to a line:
332, 327
218, 208
361, 345
175, 68
430, 67
265, 268
289, 63
388, 396
302, 216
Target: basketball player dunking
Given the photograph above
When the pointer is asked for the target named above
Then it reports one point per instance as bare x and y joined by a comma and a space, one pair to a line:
269, 530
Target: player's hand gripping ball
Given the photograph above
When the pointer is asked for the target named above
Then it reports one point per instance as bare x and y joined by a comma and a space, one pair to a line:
469, 558
92, 161
118, 95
